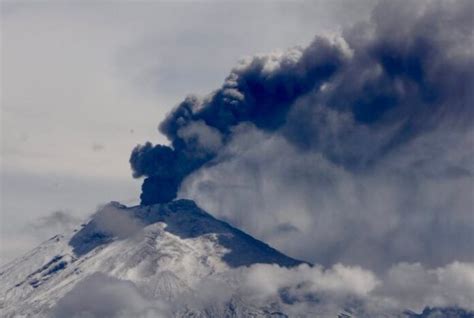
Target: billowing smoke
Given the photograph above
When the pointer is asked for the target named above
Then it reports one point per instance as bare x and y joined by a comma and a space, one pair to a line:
359, 144
260, 91
406, 68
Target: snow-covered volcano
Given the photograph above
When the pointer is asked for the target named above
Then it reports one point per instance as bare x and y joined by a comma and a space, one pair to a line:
163, 250
175, 260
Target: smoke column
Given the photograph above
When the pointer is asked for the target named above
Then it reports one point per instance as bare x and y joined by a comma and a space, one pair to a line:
399, 75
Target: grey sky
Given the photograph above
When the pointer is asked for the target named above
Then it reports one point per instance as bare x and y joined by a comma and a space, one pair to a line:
84, 82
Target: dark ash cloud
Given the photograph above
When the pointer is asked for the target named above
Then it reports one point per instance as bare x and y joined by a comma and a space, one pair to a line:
260, 91
405, 69
360, 143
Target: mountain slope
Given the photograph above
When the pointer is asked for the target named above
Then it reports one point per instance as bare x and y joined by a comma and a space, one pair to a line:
175, 260
165, 250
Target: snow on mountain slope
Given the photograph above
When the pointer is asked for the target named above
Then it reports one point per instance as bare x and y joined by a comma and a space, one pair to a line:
175, 260
165, 250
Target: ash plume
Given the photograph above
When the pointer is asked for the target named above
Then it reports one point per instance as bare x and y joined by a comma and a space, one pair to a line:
360, 143
260, 91
401, 73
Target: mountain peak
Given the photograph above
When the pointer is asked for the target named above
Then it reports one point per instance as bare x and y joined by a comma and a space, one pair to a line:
182, 218
164, 249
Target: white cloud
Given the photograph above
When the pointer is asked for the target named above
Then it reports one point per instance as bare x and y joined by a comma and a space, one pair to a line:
301, 291
116, 222
306, 290
265, 280
413, 286
100, 296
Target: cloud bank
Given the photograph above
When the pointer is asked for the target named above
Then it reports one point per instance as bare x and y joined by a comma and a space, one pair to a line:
301, 291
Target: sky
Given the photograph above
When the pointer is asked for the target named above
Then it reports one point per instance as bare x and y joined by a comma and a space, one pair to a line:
339, 132
82, 83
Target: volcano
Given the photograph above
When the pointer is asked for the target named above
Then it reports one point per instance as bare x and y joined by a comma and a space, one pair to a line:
163, 251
